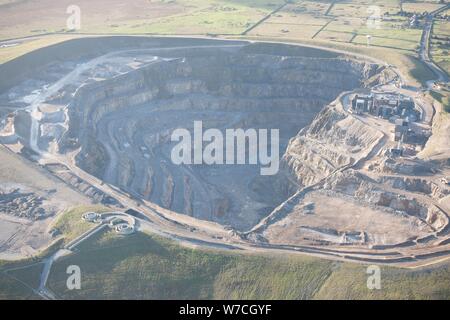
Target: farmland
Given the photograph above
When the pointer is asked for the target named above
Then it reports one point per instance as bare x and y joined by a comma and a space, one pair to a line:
377, 28
440, 44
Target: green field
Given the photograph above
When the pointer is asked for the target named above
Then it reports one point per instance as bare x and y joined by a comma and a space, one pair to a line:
343, 22
11, 288
443, 96
219, 17
141, 266
26, 18
421, 6
386, 42
348, 282
70, 223
149, 267
144, 267
440, 44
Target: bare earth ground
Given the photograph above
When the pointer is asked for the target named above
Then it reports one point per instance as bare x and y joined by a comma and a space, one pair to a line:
341, 214
438, 146
21, 237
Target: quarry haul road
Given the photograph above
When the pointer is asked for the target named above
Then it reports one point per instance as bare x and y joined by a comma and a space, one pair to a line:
209, 234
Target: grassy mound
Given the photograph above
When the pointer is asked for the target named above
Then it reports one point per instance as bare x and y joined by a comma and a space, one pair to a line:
149, 267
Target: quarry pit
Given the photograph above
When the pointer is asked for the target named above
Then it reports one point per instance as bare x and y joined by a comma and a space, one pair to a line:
101, 121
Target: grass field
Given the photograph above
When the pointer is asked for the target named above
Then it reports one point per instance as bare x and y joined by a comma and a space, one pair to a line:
349, 282
217, 17
443, 96
149, 267
70, 223
386, 42
440, 44
141, 266
343, 22
27, 275
11, 288
421, 6
25, 18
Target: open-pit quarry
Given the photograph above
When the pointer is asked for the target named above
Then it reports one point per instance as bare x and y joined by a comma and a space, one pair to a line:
99, 120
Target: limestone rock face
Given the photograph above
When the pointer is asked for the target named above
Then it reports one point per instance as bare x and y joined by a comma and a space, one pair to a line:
123, 125
327, 145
